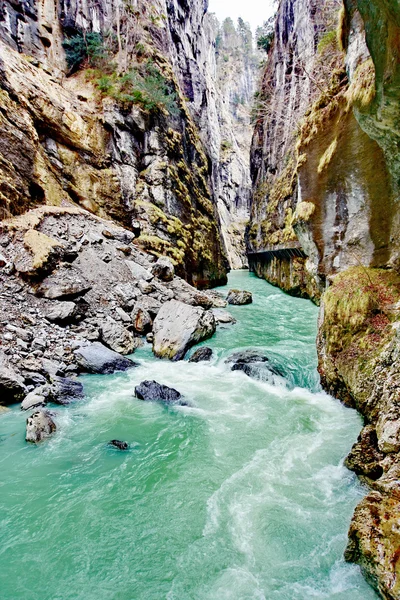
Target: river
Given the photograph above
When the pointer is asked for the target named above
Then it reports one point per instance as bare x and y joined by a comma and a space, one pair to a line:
241, 496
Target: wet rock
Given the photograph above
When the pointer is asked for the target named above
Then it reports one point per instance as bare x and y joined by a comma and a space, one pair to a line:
138, 271
120, 445
178, 327
141, 319
12, 387
223, 316
163, 269
39, 426
365, 457
239, 297
202, 354
33, 400
96, 358
117, 337
64, 390
254, 365
153, 391
374, 542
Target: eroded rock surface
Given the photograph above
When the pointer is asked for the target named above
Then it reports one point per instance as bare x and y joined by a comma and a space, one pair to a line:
39, 426
153, 391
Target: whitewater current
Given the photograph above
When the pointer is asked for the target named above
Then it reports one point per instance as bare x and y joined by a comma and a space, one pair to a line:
240, 496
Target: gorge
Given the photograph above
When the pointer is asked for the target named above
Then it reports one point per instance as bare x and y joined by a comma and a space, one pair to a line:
146, 150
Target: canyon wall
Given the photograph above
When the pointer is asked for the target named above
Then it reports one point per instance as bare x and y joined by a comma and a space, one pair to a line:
120, 135
325, 225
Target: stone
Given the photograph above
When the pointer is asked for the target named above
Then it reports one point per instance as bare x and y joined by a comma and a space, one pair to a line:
126, 295
223, 316
149, 304
52, 368
388, 432
64, 390
12, 386
39, 426
365, 457
67, 290
153, 391
121, 235
141, 319
178, 327
202, 354
62, 313
22, 333
125, 318
33, 400
239, 297
145, 287
117, 337
254, 365
163, 269
96, 358
138, 271
119, 444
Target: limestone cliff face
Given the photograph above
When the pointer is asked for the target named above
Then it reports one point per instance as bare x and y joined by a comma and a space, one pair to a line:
65, 140
318, 175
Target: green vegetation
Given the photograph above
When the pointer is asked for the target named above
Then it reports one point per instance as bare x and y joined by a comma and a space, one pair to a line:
328, 40
85, 48
265, 35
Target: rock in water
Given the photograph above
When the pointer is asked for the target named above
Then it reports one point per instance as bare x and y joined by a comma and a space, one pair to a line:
201, 354
96, 358
254, 365
223, 316
239, 297
12, 387
64, 390
153, 391
33, 400
119, 444
178, 327
163, 269
39, 426
117, 337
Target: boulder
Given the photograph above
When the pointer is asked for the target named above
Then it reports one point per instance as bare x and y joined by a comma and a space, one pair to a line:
163, 269
141, 320
64, 390
138, 271
223, 316
178, 327
201, 354
12, 387
117, 337
239, 297
120, 445
254, 365
39, 426
62, 313
96, 358
150, 304
33, 400
153, 391
388, 432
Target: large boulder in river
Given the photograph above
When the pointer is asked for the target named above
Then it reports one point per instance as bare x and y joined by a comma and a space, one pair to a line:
12, 387
117, 337
64, 390
153, 391
239, 297
178, 327
96, 358
163, 269
39, 426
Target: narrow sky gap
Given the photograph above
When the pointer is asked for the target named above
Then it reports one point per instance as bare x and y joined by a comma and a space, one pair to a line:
252, 11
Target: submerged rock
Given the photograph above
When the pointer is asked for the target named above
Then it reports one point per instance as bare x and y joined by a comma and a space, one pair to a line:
201, 354
257, 366
119, 444
153, 391
178, 327
96, 358
239, 297
39, 426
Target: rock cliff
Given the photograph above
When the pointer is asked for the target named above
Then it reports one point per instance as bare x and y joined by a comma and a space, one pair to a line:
325, 225
118, 135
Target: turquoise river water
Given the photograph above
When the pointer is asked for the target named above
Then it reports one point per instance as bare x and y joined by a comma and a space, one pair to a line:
242, 496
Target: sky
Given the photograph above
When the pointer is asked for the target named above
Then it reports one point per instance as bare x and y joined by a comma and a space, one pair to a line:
253, 11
